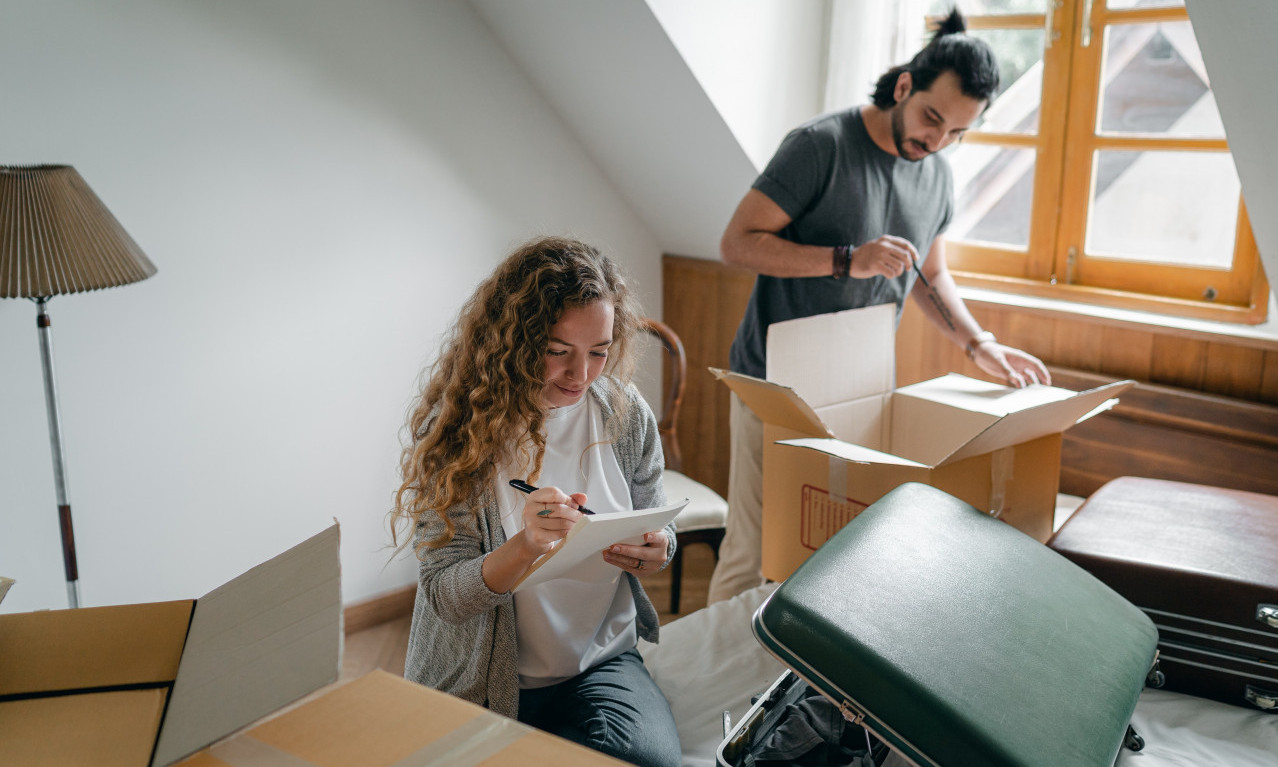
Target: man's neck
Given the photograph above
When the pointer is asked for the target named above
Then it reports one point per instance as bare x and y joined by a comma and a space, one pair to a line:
878, 123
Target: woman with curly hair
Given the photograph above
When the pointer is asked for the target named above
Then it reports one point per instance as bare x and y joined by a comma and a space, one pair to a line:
534, 382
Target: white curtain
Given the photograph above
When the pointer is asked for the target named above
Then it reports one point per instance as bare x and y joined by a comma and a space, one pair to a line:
866, 38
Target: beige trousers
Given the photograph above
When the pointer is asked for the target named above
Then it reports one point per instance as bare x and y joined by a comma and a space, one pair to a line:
740, 554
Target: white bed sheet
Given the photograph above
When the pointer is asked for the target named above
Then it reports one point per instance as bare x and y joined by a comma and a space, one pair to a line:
710, 661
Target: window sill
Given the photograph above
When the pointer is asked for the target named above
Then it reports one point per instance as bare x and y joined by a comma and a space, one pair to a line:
1262, 336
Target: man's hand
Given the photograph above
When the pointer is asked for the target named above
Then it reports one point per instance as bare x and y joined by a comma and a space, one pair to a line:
1017, 368
888, 255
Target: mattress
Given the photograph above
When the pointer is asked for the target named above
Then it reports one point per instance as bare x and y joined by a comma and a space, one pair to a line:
709, 662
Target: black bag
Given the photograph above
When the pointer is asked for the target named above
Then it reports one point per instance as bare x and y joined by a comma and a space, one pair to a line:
793, 725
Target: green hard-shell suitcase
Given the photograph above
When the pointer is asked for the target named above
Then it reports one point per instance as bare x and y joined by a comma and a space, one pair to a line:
959, 640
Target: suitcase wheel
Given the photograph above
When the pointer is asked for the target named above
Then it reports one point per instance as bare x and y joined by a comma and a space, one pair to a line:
1156, 678
1132, 741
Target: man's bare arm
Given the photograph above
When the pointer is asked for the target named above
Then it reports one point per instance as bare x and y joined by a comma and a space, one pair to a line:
942, 304
751, 242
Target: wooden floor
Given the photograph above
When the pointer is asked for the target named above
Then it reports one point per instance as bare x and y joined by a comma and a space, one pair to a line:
382, 646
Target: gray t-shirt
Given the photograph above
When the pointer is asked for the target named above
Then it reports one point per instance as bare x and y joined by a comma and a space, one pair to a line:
840, 188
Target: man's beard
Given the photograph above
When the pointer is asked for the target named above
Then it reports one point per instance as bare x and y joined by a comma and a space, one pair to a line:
898, 134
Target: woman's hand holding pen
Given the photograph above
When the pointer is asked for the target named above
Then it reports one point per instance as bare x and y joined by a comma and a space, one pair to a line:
548, 515
640, 560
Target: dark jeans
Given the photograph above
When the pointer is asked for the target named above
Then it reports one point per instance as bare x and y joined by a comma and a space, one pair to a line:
614, 707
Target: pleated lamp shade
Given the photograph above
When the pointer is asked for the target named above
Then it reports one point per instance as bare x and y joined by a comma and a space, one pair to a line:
57, 237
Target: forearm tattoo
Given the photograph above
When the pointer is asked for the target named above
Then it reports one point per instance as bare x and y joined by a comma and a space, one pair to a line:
942, 309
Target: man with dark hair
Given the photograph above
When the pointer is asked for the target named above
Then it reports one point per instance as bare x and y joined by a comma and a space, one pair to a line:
838, 221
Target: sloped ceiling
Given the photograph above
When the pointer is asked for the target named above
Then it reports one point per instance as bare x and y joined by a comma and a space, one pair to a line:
612, 73
1236, 38
617, 81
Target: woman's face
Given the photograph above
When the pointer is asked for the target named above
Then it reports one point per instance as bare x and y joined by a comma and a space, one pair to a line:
577, 352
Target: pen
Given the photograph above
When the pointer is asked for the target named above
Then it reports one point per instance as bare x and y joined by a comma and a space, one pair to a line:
524, 487
919, 272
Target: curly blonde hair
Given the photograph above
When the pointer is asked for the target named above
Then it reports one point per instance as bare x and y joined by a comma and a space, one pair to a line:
483, 404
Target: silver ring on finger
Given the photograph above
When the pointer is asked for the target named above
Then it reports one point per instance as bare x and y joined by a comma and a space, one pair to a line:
640, 565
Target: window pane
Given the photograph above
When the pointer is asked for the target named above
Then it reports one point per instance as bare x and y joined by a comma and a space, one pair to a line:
983, 7
993, 193
1116, 5
1020, 89
1178, 208
1155, 82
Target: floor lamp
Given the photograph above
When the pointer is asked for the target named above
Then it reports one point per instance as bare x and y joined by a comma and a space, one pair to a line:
57, 237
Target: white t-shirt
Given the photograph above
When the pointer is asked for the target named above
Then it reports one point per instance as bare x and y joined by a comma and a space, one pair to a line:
564, 627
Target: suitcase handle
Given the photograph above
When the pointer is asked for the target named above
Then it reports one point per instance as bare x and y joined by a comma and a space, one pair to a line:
1268, 615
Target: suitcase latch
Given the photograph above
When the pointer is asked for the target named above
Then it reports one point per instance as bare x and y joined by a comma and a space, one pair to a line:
1266, 700
851, 714
1268, 615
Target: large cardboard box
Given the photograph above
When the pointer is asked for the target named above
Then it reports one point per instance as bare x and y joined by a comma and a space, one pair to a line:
381, 720
147, 684
838, 436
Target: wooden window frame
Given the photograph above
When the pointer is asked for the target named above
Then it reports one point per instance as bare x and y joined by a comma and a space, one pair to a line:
1056, 264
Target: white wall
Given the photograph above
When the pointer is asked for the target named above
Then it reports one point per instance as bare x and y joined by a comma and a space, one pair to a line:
1234, 36
760, 61
320, 184
610, 70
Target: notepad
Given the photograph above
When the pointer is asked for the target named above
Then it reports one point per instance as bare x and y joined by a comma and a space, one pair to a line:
579, 556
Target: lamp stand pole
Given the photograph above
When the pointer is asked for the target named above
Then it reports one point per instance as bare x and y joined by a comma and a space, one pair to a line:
59, 460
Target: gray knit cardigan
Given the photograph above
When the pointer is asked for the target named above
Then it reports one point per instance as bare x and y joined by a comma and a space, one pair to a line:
462, 639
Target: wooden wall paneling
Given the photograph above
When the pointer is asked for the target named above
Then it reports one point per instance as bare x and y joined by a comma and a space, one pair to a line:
1077, 345
1269, 378
1034, 333
909, 337
1126, 353
912, 347
1109, 446
1170, 433
1234, 370
923, 353
1178, 361
703, 301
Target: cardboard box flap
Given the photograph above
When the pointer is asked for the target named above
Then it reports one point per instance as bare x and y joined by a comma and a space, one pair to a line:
382, 720
863, 422
103, 729
830, 358
92, 647
257, 643
972, 394
848, 452
773, 403
1035, 422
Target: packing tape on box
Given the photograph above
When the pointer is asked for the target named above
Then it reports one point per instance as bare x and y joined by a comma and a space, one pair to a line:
838, 480
1001, 465
247, 751
468, 745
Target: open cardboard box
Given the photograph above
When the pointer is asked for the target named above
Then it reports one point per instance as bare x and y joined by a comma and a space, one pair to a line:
381, 720
147, 684
838, 436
